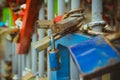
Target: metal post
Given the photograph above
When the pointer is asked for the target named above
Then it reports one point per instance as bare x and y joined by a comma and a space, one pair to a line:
41, 35
23, 63
50, 16
34, 55
8, 50
97, 16
75, 4
2, 68
69, 5
19, 66
61, 7
28, 59
61, 10
97, 13
14, 59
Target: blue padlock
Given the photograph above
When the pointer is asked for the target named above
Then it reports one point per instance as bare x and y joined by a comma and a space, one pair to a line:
96, 56
54, 60
54, 56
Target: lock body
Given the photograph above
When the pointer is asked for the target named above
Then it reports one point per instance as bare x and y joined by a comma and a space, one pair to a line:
54, 59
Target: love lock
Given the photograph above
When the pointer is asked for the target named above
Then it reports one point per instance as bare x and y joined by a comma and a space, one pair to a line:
96, 56
54, 57
67, 20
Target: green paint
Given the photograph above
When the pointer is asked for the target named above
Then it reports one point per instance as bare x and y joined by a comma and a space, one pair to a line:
55, 7
7, 17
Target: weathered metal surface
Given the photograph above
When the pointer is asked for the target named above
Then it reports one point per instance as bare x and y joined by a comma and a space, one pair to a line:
95, 56
62, 28
73, 12
91, 25
62, 46
45, 24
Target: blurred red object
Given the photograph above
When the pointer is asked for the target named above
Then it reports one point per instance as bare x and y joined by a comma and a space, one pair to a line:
57, 19
29, 17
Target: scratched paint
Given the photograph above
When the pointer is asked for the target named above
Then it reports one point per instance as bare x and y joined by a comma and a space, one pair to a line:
94, 54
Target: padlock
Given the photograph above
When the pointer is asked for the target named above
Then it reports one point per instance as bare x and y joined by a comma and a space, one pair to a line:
54, 56
96, 56
54, 60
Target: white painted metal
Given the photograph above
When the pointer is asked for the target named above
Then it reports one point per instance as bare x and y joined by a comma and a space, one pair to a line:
50, 16
75, 4
41, 35
34, 55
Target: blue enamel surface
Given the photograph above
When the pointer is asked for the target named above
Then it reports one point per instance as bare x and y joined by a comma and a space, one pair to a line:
72, 39
93, 54
64, 71
54, 64
62, 45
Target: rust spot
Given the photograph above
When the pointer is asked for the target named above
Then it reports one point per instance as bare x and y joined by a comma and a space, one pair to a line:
112, 61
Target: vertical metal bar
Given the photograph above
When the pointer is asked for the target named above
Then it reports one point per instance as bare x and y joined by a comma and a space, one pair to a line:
14, 59
50, 16
2, 68
19, 66
41, 35
97, 16
34, 55
69, 5
75, 4
14, 62
61, 10
50, 13
97, 13
50, 9
61, 7
8, 50
23, 62
28, 59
